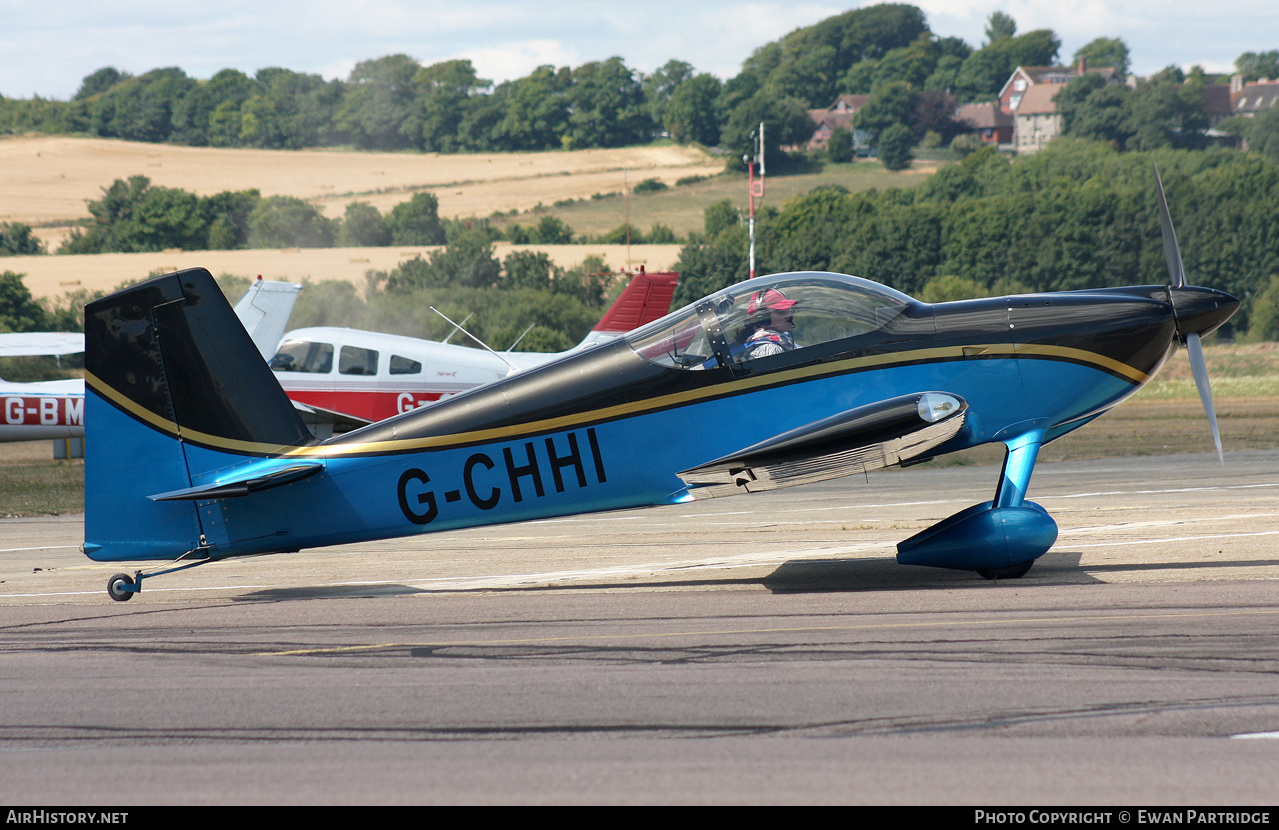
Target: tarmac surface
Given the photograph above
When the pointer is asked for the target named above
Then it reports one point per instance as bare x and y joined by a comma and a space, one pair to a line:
763, 649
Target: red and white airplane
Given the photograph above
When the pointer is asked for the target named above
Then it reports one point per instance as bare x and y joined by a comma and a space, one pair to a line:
353, 377
55, 408
46, 409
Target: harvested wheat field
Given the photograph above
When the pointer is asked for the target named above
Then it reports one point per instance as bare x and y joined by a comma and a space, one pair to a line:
53, 276
47, 180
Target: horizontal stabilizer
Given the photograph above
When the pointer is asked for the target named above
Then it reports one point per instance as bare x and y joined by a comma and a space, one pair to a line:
39, 343
236, 487
341, 421
865, 438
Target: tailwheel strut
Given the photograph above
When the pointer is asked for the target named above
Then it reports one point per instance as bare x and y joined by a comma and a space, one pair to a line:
121, 587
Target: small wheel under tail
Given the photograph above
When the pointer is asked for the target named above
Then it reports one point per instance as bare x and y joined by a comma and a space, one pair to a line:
120, 588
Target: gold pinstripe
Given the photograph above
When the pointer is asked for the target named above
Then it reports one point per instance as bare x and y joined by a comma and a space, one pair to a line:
621, 410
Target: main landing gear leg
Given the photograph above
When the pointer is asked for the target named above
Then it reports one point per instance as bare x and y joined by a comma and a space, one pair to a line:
998, 539
1014, 481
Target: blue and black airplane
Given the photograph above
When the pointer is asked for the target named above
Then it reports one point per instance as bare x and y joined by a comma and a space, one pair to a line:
196, 454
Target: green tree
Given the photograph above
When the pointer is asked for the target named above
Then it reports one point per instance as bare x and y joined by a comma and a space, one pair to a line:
1090, 108
985, 71
1264, 319
786, 122
1255, 66
999, 26
380, 109
534, 111
622, 235
606, 106
529, 269
1261, 131
210, 114
894, 103
1103, 52
18, 310
99, 82
466, 261
363, 226
417, 221
289, 222
446, 92
16, 239
142, 108
1165, 113
133, 216
719, 216
689, 115
839, 147
551, 230
661, 85
808, 63
585, 283
894, 145
660, 234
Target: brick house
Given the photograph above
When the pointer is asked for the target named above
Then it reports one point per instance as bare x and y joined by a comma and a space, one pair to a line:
991, 124
838, 114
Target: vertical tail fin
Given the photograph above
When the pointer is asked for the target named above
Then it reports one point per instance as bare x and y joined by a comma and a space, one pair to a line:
646, 298
175, 387
264, 311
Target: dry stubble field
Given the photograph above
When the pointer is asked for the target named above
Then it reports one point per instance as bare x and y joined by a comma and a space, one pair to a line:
46, 182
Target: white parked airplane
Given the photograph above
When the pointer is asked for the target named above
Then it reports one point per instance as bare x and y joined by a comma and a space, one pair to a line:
55, 408
353, 377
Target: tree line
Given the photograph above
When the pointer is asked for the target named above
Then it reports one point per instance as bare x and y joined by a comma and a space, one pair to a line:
395, 103
915, 78
133, 215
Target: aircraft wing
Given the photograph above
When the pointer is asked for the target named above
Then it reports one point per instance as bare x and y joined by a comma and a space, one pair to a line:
31, 343
864, 438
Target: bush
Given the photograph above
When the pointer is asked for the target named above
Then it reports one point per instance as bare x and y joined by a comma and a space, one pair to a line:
839, 148
363, 227
550, 231
966, 144
649, 186
660, 234
417, 221
16, 239
289, 222
894, 147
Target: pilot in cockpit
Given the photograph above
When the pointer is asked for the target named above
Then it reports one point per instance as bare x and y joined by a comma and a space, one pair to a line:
769, 325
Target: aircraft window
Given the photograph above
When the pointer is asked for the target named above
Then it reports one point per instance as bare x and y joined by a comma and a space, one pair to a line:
792, 314
303, 356
821, 308
682, 342
353, 360
404, 366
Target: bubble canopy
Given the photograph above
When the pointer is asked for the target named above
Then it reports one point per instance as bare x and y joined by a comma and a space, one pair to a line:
712, 332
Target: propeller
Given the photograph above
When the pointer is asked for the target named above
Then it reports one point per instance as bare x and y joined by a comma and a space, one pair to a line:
1185, 326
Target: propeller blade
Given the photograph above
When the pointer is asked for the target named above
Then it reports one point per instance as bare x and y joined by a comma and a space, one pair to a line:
1200, 370
1172, 252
